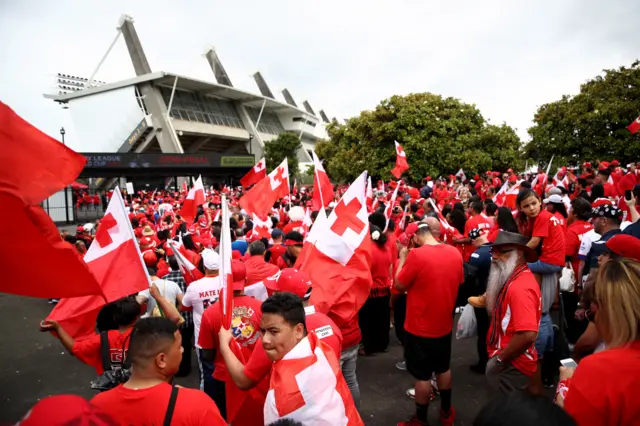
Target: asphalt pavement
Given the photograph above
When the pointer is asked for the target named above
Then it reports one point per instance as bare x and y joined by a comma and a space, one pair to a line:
34, 365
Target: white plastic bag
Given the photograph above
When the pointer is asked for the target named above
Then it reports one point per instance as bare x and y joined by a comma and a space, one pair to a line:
567, 279
467, 325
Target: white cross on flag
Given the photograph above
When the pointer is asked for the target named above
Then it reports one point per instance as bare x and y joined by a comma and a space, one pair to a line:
401, 161
262, 227
461, 175
195, 198
255, 175
338, 260
264, 194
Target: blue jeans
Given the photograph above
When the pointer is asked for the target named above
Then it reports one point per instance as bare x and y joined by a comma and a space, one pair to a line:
543, 268
544, 342
207, 383
348, 359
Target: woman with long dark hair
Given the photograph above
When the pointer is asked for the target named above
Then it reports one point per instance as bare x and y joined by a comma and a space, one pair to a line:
457, 219
374, 316
504, 222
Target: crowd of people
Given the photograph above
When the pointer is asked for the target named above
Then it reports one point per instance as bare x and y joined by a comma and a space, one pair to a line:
549, 266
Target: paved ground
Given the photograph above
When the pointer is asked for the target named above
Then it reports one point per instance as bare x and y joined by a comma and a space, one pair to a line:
34, 365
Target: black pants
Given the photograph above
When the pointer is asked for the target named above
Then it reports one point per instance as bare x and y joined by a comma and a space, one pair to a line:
482, 319
374, 320
399, 314
187, 346
575, 327
220, 397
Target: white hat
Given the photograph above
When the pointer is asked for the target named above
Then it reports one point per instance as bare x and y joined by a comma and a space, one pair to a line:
555, 198
88, 226
211, 259
296, 213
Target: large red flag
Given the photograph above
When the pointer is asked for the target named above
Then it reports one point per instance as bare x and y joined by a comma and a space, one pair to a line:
224, 250
401, 161
195, 198
322, 187
634, 127
28, 236
261, 198
255, 175
115, 260
189, 272
33, 165
338, 262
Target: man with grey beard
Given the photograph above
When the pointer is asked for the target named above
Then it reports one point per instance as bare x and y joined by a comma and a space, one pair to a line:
514, 302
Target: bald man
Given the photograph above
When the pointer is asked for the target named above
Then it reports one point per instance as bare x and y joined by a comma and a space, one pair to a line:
434, 226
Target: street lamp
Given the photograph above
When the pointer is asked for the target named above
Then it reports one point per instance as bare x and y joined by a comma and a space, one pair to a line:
62, 132
250, 140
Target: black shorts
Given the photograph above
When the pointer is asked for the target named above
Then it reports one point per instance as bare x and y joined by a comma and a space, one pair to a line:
427, 355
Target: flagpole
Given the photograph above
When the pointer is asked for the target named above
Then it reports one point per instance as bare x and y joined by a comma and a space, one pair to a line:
133, 235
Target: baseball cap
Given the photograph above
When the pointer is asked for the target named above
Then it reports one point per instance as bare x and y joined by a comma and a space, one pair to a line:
513, 178
276, 233
608, 211
413, 227
625, 246
210, 259
555, 198
61, 410
147, 243
150, 259
239, 274
290, 280
293, 238
475, 233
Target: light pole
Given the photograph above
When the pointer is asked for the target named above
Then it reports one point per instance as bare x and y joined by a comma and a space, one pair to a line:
62, 132
66, 188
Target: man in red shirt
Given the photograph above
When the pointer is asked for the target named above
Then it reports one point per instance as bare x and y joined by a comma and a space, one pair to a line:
431, 273
515, 305
257, 268
277, 249
245, 328
147, 397
477, 220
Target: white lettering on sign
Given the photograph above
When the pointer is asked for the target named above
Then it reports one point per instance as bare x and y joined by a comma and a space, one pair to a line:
323, 332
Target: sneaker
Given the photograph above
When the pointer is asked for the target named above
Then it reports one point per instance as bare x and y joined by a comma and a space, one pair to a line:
449, 418
413, 421
402, 365
478, 301
411, 393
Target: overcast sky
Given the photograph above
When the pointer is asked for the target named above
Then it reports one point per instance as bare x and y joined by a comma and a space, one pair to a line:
506, 56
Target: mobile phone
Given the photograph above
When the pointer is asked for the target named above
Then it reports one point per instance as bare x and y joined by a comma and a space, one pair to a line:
627, 194
568, 363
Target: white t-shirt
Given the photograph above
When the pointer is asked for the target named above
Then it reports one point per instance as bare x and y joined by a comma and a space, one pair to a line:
168, 289
588, 238
200, 294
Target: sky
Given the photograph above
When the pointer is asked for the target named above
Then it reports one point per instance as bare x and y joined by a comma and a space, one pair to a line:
507, 57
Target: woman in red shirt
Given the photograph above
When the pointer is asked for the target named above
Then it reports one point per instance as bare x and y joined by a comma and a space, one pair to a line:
374, 316
455, 234
504, 222
603, 390
556, 207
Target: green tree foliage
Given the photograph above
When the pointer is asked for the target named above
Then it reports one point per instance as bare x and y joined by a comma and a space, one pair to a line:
440, 135
592, 124
287, 145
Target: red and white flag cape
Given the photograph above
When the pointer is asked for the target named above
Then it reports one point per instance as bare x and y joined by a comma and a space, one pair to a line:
634, 127
115, 260
338, 261
195, 198
401, 161
307, 386
189, 272
255, 175
322, 187
262, 227
261, 198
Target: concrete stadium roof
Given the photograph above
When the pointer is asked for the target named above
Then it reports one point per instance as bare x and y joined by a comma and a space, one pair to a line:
187, 83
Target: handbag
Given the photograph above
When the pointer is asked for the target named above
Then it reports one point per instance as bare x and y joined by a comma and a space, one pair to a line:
113, 375
157, 312
567, 279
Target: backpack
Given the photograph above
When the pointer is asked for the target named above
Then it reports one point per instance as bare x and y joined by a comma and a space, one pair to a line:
114, 374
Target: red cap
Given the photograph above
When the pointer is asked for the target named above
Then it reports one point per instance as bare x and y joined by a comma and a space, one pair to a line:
147, 243
510, 171
587, 165
150, 259
603, 165
239, 274
412, 228
513, 178
625, 246
290, 280
61, 410
615, 163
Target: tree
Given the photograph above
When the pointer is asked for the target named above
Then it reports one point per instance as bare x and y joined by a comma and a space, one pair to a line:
590, 125
286, 145
440, 135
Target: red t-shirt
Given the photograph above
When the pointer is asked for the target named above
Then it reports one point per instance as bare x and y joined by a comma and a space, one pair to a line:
477, 221
562, 220
88, 350
465, 249
520, 310
380, 266
258, 269
276, 251
548, 228
431, 275
573, 239
245, 326
149, 406
604, 388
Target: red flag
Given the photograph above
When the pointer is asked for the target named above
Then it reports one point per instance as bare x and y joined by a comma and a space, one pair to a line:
401, 161
195, 198
226, 296
189, 272
255, 175
114, 259
369, 194
338, 261
28, 236
34, 165
262, 227
322, 187
634, 127
261, 198
294, 190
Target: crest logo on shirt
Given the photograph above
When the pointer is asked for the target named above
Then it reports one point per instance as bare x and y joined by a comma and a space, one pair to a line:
243, 329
